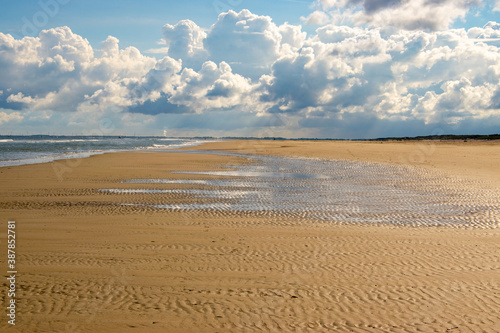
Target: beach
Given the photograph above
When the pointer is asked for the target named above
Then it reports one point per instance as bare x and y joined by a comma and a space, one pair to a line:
98, 251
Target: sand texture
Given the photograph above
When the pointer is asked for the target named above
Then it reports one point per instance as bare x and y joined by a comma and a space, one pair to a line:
123, 242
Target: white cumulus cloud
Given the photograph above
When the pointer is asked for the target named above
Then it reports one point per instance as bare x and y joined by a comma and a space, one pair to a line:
246, 74
185, 41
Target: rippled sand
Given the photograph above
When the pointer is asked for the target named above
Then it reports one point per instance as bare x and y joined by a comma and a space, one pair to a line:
335, 191
177, 242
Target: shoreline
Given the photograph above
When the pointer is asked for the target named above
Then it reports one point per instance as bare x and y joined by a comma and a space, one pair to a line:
76, 147
87, 263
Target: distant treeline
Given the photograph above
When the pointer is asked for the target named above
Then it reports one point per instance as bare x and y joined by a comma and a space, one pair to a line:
443, 137
405, 138
274, 138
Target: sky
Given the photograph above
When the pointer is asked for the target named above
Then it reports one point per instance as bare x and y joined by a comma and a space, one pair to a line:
349, 69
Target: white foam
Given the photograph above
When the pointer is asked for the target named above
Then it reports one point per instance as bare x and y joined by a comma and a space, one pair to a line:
49, 158
193, 143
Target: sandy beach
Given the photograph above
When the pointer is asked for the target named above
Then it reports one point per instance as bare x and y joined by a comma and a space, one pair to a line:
88, 260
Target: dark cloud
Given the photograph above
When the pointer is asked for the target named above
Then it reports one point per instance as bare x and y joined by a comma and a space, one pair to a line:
428, 15
161, 105
372, 6
219, 90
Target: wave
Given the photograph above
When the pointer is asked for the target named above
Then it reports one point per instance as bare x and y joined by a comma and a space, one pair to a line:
46, 158
174, 145
48, 141
33, 151
60, 141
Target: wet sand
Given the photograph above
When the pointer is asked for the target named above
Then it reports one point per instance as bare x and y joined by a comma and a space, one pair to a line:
87, 263
473, 160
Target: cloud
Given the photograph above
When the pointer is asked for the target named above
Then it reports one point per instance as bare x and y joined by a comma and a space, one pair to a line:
332, 72
9, 117
246, 74
489, 34
430, 15
159, 105
434, 79
160, 50
58, 69
213, 87
292, 38
185, 41
497, 6
317, 17
249, 43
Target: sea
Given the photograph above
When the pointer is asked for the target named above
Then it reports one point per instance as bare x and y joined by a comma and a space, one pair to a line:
21, 150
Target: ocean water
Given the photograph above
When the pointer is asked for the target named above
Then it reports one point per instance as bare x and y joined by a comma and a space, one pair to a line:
19, 150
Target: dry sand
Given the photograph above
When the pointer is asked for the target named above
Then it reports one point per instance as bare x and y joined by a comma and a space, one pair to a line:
87, 264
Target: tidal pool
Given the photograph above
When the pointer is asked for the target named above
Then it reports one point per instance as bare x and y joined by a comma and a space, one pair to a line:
337, 191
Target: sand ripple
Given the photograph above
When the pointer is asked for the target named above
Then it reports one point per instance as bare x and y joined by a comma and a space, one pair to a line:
252, 248
336, 191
